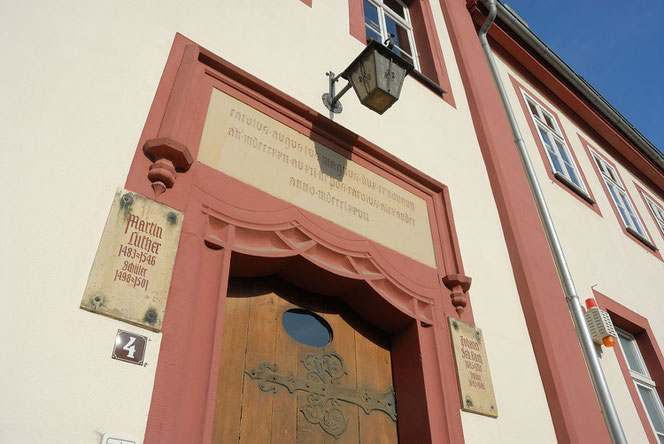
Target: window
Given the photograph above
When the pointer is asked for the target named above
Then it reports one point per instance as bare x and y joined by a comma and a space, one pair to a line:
644, 384
306, 327
385, 18
620, 198
656, 210
641, 363
556, 149
412, 24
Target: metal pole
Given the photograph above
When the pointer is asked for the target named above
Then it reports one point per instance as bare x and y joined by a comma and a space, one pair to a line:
592, 360
341, 93
330, 100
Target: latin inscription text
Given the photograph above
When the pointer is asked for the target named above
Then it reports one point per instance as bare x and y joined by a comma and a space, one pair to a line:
325, 174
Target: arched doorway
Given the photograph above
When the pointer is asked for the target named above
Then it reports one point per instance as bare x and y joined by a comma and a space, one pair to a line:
297, 366
232, 229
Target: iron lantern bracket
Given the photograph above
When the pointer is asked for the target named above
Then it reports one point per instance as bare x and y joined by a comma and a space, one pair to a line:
331, 100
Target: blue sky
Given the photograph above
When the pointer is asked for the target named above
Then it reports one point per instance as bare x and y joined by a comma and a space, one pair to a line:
618, 47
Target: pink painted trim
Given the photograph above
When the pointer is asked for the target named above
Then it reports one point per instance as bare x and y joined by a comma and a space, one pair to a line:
288, 232
645, 194
228, 224
218, 331
307, 2
588, 147
518, 87
572, 402
356, 19
638, 326
428, 44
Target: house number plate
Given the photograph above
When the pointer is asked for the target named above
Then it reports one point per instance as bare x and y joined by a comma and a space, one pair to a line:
129, 347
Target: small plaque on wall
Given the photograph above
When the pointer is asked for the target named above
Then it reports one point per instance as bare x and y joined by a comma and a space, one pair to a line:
129, 347
472, 366
131, 273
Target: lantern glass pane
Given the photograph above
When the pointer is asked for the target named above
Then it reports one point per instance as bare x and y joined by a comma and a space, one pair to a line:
363, 77
379, 101
377, 76
390, 76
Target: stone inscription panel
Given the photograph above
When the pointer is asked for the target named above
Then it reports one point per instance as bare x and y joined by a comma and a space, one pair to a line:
262, 152
131, 273
475, 384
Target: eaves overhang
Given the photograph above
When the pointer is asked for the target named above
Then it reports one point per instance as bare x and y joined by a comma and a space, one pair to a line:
515, 24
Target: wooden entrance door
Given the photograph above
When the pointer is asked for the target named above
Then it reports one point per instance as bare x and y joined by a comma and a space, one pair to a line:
274, 389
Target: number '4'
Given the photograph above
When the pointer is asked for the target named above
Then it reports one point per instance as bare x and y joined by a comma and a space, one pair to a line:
130, 347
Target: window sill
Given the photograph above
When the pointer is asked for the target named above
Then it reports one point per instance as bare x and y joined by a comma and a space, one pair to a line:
582, 194
424, 80
642, 239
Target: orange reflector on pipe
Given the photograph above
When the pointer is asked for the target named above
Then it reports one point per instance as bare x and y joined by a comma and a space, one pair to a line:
608, 341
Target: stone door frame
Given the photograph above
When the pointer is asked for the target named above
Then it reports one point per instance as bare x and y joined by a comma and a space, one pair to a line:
408, 300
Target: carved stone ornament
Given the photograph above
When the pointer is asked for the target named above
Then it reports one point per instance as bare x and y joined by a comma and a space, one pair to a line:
286, 236
459, 284
168, 156
324, 391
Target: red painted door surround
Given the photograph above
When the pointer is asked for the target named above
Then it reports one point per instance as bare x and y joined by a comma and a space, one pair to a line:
232, 229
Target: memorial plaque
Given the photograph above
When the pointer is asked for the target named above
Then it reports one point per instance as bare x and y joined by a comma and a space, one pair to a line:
472, 367
131, 273
262, 152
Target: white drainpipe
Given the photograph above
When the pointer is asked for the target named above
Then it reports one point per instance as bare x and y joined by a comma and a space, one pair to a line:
573, 302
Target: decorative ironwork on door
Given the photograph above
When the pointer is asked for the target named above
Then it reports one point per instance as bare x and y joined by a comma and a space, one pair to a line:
325, 393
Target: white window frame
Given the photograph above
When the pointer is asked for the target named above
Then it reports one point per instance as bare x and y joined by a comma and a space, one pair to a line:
546, 122
383, 10
656, 210
626, 209
641, 378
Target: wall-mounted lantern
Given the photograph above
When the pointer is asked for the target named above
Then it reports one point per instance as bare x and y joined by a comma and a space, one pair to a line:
376, 75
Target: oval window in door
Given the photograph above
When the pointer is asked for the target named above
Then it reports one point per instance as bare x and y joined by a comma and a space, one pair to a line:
306, 327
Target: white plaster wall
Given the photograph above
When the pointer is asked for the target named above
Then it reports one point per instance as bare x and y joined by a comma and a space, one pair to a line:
76, 86
598, 252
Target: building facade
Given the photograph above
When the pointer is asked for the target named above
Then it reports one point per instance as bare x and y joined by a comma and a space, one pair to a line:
391, 231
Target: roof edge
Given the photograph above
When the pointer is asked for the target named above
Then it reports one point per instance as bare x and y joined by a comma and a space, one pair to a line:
579, 83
